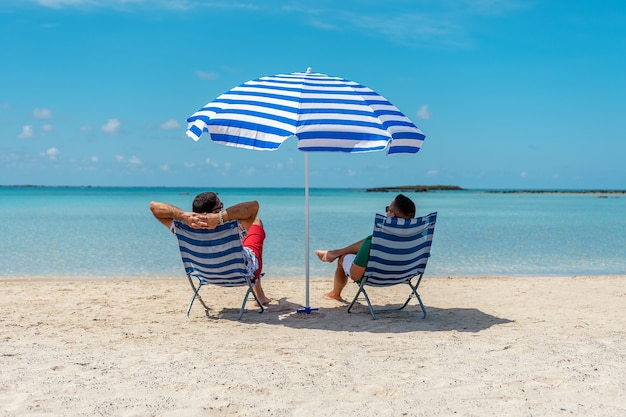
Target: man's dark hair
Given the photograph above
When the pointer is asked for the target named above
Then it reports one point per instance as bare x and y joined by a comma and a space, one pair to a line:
204, 202
405, 205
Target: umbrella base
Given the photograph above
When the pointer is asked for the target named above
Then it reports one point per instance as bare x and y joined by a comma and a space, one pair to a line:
306, 310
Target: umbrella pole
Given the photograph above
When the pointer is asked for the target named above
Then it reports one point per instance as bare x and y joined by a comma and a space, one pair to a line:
307, 308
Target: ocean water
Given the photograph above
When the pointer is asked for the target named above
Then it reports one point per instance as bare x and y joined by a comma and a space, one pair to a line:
104, 233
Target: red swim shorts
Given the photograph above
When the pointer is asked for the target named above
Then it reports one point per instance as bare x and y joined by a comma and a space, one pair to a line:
254, 240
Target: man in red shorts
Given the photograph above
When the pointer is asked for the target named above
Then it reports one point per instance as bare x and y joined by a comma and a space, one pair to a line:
208, 212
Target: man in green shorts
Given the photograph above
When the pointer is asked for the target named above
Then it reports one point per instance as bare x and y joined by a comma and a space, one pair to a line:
352, 260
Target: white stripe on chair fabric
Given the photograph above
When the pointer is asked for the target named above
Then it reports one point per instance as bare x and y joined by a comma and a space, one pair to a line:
212, 255
400, 249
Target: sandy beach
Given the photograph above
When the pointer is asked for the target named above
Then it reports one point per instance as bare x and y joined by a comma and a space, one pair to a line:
489, 346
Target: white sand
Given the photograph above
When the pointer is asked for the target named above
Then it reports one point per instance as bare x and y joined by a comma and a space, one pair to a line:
489, 347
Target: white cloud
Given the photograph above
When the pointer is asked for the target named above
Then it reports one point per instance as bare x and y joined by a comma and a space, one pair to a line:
432, 173
496, 7
52, 153
435, 23
85, 128
42, 113
113, 4
128, 5
424, 112
523, 174
323, 24
227, 165
350, 173
111, 126
164, 167
47, 127
95, 159
211, 163
189, 164
206, 75
56, 4
170, 124
27, 132
133, 160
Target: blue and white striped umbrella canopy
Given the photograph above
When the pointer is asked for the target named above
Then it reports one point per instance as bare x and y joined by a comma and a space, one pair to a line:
325, 113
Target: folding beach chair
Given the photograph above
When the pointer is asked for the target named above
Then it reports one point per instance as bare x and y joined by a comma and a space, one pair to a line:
399, 253
214, 256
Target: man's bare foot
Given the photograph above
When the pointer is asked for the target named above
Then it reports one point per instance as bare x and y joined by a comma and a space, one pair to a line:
260, 295
265, 301
326, 255
331, 296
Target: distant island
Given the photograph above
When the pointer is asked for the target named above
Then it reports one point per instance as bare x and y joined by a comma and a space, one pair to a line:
414, 188
425, 188
558, 191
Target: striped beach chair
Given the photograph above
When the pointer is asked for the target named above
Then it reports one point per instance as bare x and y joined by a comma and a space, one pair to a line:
398, 255
214, 256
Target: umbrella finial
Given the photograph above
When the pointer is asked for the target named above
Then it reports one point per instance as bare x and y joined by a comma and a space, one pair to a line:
309, 70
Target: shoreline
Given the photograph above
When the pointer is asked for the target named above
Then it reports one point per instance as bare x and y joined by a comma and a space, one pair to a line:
328, 279
183, 277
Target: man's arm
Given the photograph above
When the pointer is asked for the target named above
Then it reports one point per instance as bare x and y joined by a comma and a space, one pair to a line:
244, 212
166, 213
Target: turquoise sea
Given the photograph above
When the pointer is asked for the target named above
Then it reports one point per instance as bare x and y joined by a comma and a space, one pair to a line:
105, 233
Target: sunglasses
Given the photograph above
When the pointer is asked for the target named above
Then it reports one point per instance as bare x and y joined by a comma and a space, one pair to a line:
218, 209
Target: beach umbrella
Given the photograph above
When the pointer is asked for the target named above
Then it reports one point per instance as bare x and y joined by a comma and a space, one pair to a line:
325, 114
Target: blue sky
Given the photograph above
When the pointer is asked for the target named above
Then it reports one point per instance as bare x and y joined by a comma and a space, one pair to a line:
510, 93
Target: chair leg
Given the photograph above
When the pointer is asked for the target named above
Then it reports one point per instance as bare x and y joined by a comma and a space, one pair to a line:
354, 300
419, 299
243, 306
193, 298
369, 304
245, 300
373, 311
196, 294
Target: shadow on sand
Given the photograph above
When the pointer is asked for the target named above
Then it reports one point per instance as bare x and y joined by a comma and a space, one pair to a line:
284, 313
